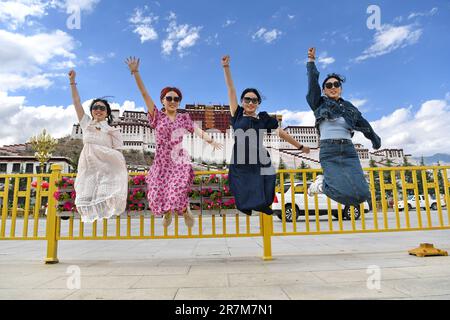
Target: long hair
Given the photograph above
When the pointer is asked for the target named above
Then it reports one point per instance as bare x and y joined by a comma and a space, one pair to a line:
108, 109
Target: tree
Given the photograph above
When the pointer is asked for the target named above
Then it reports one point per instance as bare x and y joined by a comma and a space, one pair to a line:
303, 166
282, 166
43, 144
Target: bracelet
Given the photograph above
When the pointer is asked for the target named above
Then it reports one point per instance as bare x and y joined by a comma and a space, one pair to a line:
301, 147
133, 72
73, 83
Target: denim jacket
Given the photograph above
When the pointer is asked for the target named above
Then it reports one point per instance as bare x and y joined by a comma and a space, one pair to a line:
326, 108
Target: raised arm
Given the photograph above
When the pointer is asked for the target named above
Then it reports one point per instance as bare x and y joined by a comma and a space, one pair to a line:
286, 136
205, 136
133, 65
314, 92
75, 96
230, 86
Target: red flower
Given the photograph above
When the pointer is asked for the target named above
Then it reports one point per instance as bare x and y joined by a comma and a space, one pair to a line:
45, 185
68, 206
34, 184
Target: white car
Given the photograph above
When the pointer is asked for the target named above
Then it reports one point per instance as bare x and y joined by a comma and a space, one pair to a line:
411, 201
322, 205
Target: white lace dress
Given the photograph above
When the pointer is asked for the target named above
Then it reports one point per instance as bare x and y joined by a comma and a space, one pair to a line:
101, 185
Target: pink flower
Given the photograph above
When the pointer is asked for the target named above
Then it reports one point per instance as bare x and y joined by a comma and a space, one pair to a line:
70, 181
140, 205
136, 180
65, 185
64, 179
67, 206
73, 195
56, 195
131, 198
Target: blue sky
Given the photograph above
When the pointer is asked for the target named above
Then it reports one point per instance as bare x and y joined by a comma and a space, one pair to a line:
396, 75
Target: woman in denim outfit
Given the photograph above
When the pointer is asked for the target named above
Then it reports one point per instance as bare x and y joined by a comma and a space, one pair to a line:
336, 120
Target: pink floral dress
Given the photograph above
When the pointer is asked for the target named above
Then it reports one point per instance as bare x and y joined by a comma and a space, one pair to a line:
171, 175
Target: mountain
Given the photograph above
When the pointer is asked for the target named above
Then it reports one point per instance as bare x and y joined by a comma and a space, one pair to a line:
443, 158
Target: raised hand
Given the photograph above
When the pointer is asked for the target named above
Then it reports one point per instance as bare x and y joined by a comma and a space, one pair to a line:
312, 54
133, 64
72, 75
226, 61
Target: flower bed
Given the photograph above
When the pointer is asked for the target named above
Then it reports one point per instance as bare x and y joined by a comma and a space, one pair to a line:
210, 194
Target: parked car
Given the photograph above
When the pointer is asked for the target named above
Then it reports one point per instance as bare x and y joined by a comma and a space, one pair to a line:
411, 201
300, 205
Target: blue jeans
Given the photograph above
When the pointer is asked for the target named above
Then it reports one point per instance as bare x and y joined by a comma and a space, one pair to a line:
344, 180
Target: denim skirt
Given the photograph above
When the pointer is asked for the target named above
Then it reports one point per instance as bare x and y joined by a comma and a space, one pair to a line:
344, 180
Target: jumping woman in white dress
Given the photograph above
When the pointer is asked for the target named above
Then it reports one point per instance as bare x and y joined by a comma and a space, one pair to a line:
101, 185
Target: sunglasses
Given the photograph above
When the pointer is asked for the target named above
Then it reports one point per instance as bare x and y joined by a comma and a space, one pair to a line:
99, 107
176, 99
330, 85
252, 100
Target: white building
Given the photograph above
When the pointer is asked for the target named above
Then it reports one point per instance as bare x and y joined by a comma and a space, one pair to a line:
29, 164
138, 135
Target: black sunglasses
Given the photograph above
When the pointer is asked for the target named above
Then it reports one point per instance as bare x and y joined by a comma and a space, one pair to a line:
176, 99
99, 107
330, 85
252, 100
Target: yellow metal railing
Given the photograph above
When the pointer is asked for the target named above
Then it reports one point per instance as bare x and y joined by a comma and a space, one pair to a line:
24, 216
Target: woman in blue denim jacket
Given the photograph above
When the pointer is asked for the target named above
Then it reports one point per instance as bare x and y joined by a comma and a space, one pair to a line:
336, 120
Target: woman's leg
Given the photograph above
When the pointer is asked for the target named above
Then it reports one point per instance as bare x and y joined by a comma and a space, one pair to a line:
167, 219
188, 217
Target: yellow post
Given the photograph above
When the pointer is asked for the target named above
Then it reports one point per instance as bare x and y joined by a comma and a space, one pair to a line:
267, 234
52, 242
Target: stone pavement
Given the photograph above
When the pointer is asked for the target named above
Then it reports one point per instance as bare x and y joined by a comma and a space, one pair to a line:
304, 267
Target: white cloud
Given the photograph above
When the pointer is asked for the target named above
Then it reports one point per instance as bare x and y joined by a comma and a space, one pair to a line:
390, 38
20, 122
291, 16
22, 58
424, 132
95, 59
324, 60
297, 118
432, 12
143, 25
266, 35
87, 6
228, 23
183, 36
358, 102
12, 82
213, 40
15, 13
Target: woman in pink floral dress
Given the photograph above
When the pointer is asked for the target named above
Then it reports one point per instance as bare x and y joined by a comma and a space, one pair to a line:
171, 175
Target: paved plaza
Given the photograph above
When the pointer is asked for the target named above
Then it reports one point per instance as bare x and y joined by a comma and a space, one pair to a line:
304, 267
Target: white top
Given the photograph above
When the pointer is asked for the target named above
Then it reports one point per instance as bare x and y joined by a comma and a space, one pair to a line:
100, 133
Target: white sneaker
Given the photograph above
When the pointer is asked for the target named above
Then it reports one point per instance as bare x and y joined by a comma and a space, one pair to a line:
316, 186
